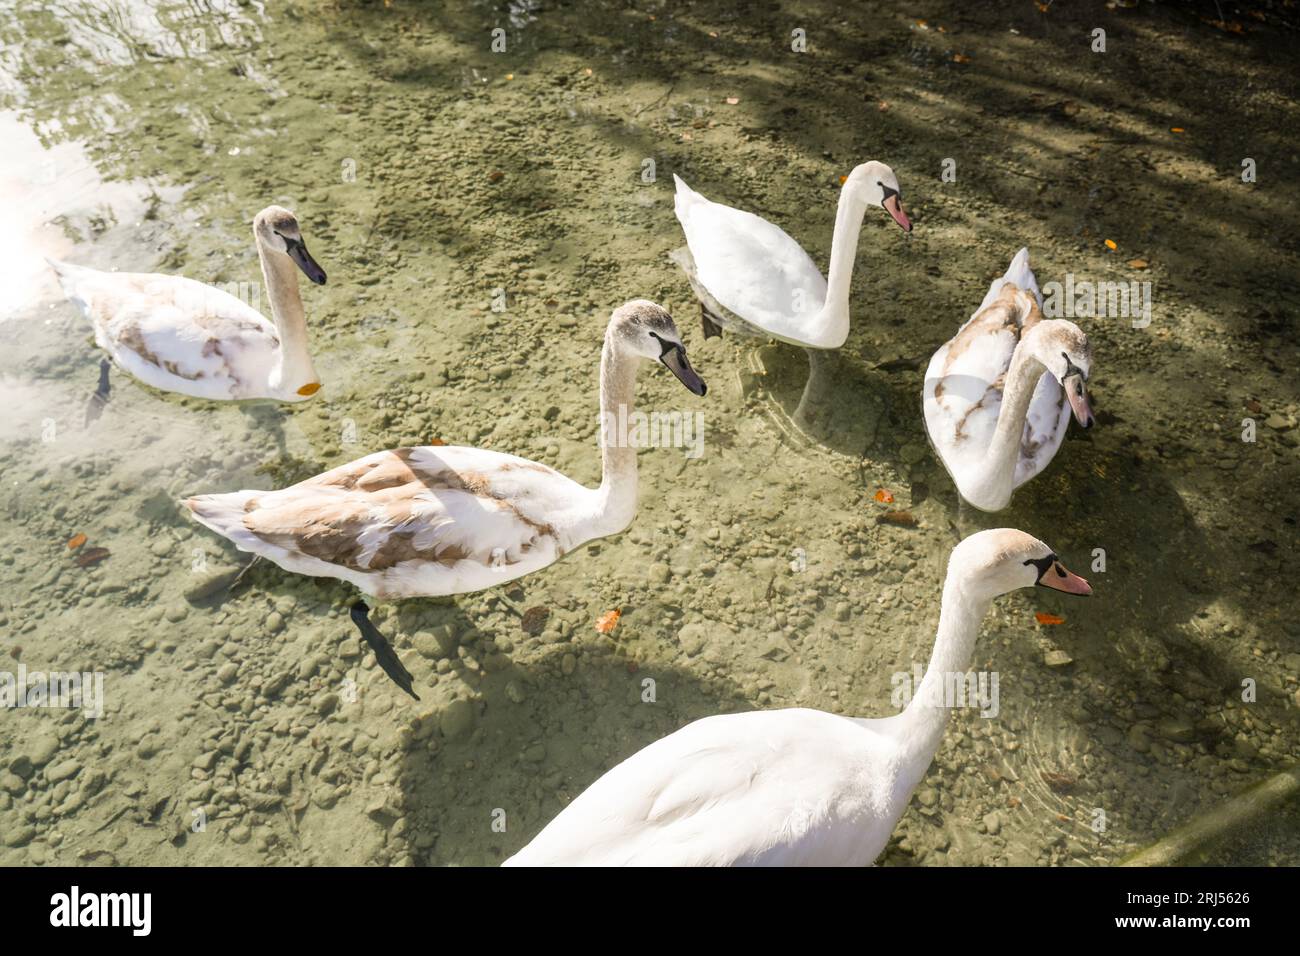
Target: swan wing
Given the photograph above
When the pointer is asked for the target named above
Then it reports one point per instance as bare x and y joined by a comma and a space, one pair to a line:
750, 266
413, 521
768, 787
1046, 423
175, 333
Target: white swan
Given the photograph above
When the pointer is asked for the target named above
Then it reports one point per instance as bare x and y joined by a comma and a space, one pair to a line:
183, 336
749, 275
441, 520
998, 395
793, 787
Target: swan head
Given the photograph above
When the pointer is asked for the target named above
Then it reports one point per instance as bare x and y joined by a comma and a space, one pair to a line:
1063, 348
644, 330
1003, 559
277, 229
874, 184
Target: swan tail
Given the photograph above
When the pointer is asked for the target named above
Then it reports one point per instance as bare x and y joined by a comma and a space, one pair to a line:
224, 514
72, 279
1018, 274
684, 198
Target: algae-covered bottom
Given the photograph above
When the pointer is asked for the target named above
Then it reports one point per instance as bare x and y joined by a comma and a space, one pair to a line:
479, 215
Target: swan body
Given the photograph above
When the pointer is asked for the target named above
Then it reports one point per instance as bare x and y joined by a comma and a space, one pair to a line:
998, 396
798, 786
441, 520
179, 335
751, 276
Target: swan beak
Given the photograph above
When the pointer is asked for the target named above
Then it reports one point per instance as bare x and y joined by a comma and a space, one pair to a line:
674, 356
894, 206
1077, 392
1058, 578
297, 250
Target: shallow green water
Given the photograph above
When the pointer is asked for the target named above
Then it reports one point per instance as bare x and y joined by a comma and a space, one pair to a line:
429, 173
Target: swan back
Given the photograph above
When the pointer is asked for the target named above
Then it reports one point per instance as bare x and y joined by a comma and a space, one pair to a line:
750, 266
783, 787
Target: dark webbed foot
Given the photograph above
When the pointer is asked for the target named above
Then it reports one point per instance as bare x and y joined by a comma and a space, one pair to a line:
384, 653
95, 406
711, 328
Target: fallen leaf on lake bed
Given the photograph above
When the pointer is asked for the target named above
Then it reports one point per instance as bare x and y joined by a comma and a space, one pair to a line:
733, 100
534, 620
76, 541
885, 496
903, 519
1110, 244
1059, 782
92, 556
1042, 618
1177, 129
1254, 406
608, 621
1138, 263
960, 58
436, 441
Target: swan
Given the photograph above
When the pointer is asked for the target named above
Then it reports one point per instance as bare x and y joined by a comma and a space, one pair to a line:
797, 786
993, 415
750, 276
441, 520
180, 335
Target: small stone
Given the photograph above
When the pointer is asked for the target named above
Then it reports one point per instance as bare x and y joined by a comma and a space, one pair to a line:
41, 748
992, 823
350, 649
12, 783
457, 718
274, 623
1057, 658
515, 692
176, 613
20, 836
240, 834
326, 703
228, 672
568, 664
64, 770
927, 797
660, 573
692, 638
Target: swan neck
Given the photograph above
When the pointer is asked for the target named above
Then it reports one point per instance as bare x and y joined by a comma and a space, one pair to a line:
294, 368
944, 684
834, 316
618, 488
1004, 450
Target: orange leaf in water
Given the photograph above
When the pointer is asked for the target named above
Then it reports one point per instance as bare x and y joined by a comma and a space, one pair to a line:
436, 441
1177, 129
608, 621
960, 58
1110, 244
76, 541
1138, 263
885, 496
1042, 618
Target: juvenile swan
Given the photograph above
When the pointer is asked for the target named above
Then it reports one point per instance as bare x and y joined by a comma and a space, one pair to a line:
793, 787
998, 395
183, 336
441, 520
